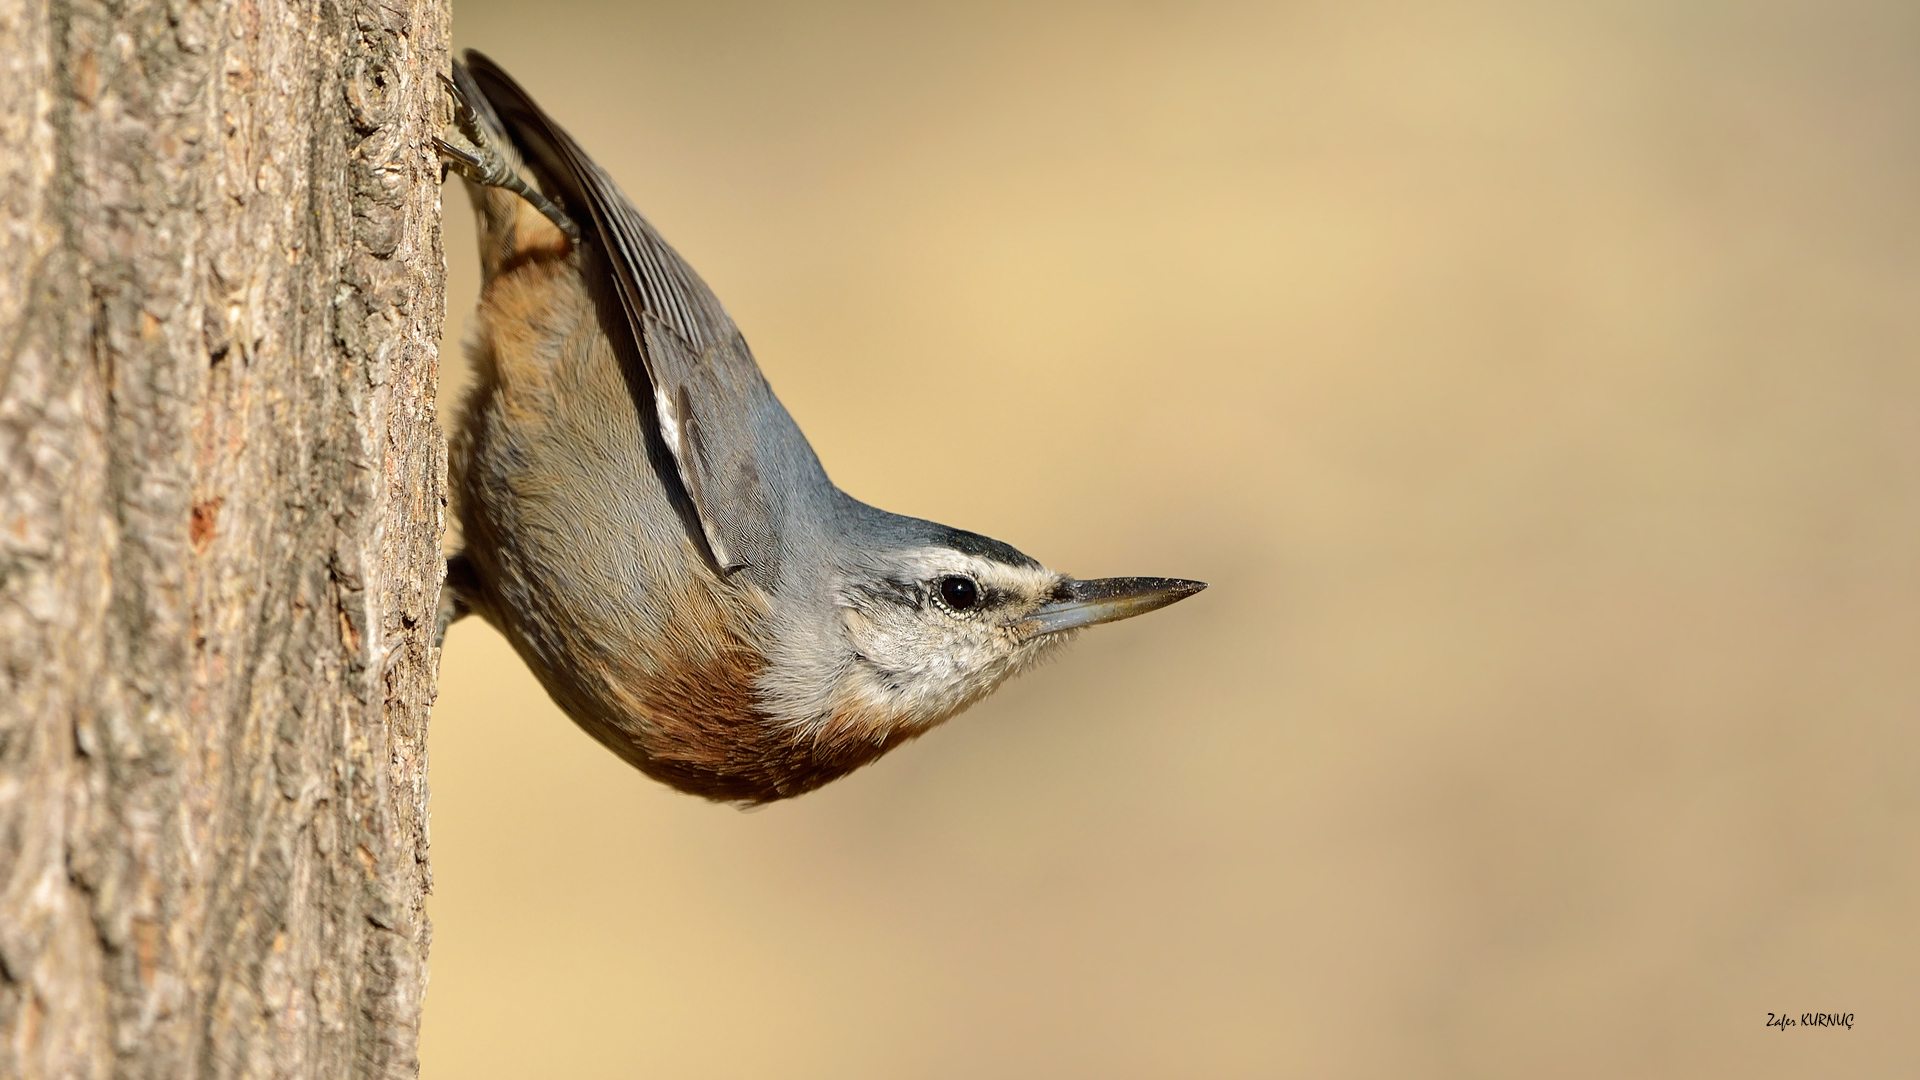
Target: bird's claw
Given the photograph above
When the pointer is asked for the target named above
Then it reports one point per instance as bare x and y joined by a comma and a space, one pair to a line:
477, 158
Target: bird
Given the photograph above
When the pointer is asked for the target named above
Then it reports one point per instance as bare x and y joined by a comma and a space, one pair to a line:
647, 525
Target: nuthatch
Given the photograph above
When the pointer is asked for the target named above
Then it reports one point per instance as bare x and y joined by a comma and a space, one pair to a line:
649, 528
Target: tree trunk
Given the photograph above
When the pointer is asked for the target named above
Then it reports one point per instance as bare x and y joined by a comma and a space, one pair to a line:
221, 493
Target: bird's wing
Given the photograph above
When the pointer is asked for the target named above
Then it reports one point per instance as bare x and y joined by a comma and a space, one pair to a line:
707, 392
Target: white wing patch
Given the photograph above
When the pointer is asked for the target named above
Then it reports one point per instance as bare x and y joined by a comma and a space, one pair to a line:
669, 424
676, 430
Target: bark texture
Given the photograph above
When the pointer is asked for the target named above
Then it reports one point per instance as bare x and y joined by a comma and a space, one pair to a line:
221, 500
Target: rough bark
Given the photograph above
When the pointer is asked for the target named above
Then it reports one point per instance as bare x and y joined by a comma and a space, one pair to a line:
221, 493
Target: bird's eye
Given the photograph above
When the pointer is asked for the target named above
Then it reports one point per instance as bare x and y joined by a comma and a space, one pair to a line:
960, 593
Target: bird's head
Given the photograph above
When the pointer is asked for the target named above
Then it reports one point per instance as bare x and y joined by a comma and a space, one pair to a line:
927, 623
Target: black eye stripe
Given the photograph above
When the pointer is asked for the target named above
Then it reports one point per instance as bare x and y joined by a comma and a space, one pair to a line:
958, 593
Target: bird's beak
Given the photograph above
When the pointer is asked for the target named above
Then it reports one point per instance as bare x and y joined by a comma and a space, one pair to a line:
1089, 603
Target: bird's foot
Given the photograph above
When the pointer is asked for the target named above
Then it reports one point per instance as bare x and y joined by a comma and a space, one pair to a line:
473, 153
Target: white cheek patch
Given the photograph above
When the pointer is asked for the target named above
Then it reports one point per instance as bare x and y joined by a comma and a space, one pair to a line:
923, 665
910, 667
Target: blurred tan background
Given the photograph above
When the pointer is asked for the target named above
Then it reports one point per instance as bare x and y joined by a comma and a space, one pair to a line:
1536, 385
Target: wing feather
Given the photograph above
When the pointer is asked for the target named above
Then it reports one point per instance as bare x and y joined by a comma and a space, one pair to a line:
707, 390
